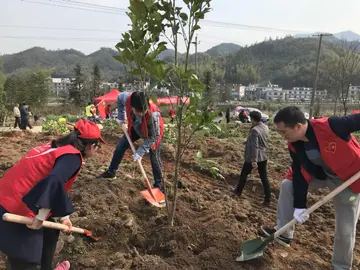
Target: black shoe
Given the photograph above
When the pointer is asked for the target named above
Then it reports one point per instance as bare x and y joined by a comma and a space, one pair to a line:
108, 175
282, 240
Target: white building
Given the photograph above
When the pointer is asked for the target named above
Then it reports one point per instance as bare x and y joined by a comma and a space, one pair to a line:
108, 85
304, 93
354, 92
60, 85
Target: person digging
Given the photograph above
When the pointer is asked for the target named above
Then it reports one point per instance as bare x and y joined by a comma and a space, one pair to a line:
143, 121
256, 156
37, 187
324, 149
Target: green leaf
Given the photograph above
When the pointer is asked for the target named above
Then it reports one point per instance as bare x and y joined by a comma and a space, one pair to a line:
196, 27
195, 84
199, 155
184, 16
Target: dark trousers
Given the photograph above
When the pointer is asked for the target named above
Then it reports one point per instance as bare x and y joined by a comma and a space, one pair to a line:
17, 122
246, 170
155, 159
50, 238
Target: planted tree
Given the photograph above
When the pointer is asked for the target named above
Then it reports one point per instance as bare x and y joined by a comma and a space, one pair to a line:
155, 25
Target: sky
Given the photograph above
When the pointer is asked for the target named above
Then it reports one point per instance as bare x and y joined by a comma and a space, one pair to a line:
45, 23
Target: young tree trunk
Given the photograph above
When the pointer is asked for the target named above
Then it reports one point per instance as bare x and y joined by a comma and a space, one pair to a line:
176, 177
335, 106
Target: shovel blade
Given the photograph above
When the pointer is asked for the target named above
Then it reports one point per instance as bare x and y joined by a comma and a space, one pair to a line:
252, 249
157, 200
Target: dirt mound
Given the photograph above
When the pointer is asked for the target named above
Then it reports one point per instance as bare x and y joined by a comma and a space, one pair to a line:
210, 223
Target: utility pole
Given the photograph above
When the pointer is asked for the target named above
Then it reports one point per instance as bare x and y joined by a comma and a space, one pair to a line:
316, 74
196, 53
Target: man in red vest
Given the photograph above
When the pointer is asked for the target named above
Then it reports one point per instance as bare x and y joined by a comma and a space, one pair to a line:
329, 153
144, 121
37, 187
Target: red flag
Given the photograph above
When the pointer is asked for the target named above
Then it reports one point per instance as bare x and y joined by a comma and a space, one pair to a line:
101, 109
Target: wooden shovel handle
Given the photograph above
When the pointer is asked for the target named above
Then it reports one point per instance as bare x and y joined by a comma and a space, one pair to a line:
139, 161
48, 224
324, 200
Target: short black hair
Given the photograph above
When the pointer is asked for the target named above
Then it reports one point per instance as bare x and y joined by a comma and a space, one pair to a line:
255, 115
290, 116
139, 101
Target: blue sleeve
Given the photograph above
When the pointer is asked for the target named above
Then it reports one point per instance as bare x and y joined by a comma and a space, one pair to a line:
343, 126
300, 185
121, 105
153, 134
50, 192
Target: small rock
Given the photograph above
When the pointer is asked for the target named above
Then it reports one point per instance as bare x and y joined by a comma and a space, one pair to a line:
91, 263
75, 215
217, 191
129, 222
124, 208
284, 254
70, 239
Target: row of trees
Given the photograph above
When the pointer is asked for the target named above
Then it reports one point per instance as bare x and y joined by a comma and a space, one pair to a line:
85, 87
32, 86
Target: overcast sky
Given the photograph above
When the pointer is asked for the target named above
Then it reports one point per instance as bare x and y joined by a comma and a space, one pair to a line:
104, 26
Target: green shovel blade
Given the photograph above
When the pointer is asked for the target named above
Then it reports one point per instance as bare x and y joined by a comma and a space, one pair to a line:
253, 249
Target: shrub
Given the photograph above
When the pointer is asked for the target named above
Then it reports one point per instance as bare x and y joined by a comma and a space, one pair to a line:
55, 128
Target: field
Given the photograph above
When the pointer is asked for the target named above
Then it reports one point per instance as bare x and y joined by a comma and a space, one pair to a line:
210, 222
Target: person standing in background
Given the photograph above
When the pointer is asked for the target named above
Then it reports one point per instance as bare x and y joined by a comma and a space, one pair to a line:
256, 156
17, 116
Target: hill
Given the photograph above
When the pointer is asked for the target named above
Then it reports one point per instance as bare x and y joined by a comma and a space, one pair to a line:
223, 49
345, 35
287, 62
63, 61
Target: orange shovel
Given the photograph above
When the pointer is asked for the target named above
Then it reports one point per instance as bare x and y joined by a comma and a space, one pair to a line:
152, 195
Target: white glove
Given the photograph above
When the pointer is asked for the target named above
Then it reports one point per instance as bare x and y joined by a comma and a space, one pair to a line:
300, 216
119, 121
137, 157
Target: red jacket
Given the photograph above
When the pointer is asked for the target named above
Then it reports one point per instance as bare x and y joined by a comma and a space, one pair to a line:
145, 121
25, 174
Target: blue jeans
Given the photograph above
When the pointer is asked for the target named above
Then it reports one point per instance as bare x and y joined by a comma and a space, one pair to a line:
155, 158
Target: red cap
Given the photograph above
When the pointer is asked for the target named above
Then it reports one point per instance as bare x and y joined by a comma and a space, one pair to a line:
88, 130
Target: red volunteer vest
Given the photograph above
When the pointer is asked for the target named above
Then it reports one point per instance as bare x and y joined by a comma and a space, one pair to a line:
342, 157
26, 173
145, 120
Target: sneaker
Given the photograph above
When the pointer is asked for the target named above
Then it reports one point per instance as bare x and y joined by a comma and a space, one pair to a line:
282, 240
108, 175
63, 266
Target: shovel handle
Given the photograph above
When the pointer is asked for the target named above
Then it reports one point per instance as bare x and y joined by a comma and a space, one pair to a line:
47, 224
324, 200
139, 161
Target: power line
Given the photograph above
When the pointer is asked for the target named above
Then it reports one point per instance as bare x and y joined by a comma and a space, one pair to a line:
60, 38
94, 5
122, 11
58, 28
72, 7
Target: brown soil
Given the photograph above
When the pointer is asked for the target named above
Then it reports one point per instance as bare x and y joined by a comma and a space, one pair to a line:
210, 223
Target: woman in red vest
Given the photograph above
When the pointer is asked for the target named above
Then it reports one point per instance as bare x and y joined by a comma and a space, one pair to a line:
144, 121
37, 187
326, 149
